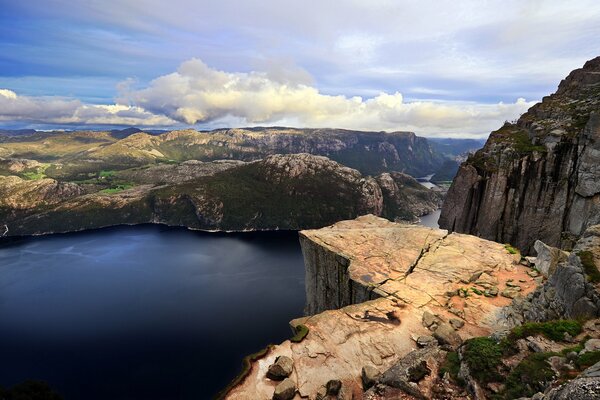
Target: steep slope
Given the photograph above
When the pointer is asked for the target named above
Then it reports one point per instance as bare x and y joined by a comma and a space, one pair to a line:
536, 178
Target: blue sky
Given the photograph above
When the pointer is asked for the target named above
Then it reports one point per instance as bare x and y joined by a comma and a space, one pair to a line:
439, 68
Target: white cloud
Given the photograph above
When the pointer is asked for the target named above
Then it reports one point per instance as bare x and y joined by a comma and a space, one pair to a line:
198, 94
54, 110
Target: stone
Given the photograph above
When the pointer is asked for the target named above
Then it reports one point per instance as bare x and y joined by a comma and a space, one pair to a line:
369, 376
533, 273
456, 323
281, 368
418, 371
285, 390
426, 340
513, 285
592, 345
510, 293
333, 387
429, 319
548, 258
446, 335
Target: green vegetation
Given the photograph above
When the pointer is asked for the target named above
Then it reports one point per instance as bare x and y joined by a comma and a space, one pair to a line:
511, 249
106, 174
588, 359
483, 356
451, 365
589, 266
117, 188
553, 330
300, 334
38, 173
523, 145
529, 377
246, 368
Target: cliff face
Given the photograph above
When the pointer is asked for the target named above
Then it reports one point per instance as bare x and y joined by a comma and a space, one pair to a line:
414, 276
536, 178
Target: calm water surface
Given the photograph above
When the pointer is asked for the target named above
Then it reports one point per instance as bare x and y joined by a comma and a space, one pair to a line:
144, 312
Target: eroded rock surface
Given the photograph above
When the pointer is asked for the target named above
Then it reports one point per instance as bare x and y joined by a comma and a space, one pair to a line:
405, 271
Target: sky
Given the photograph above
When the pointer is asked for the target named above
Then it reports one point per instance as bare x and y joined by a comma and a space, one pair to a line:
438, 68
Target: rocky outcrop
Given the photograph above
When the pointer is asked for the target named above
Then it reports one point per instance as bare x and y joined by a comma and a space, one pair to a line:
535, 179
293, 191
570, 291
422, 282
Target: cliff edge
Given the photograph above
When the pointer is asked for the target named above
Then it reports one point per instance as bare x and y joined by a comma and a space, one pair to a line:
535, 179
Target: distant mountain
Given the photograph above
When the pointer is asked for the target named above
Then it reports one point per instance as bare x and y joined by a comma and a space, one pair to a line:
455, 147
17, 132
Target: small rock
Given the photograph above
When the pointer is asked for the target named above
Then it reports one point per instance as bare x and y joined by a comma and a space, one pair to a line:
445, 334
428, 319
281, 368
538, 396
286, 390
533, 273
572, 356
333, 387
510, 293
592, 345
418, 372
522, 280
451, 293
456, 323
491, 292
513, 285
369, 376
425, 340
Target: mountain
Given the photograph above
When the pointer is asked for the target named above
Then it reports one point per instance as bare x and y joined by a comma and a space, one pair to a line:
292, 191
536, 178
77, 153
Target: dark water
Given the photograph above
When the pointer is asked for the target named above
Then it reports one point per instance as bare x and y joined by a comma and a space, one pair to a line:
144, 312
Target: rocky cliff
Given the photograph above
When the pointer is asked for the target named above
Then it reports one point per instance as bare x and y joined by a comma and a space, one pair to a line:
408, 312
293, 191
426, 286
535, 179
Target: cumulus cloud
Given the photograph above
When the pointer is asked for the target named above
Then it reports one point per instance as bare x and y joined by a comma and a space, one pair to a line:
198, 94
59, 111
201, 96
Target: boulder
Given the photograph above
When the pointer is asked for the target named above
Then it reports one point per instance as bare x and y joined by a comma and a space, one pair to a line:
426, 340
369, 376
548, 257
333, 387
286, 390
446, 335
281, 368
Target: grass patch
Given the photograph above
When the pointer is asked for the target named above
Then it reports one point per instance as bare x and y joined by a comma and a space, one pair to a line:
451, 365
589, 266
588, 359
106, 174
117, 188
246, 368
483, 355
529, 377
39, 173
511, 249
522, 143
553, 330
300, 333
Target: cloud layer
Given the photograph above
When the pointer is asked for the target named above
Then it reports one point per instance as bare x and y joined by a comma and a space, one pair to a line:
197, 95
61, 112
